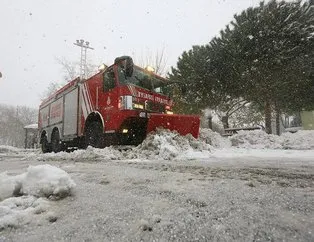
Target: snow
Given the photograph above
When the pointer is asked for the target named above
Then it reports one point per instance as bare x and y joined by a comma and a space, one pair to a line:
163, 182
8, 149
258, 139
162, 144
9, 185
18, 211
26, 195
90, 153
301, 140
31, 126
46, 181
260, 154
167, 145
255, 139
213, 138
39, 181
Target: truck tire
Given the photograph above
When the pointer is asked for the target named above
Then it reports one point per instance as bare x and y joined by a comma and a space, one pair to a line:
45, 145
56, 145
94, 135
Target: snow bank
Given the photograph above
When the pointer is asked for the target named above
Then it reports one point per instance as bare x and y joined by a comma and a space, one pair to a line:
301, 140
47, 180
9, 149
36, 185
258, 139
6, 150
255, 139
9, 185
89, 154
213, 138
39, 181
167, 145
162, 144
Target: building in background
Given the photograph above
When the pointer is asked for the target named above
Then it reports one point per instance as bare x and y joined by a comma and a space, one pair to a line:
307, 118
31, 136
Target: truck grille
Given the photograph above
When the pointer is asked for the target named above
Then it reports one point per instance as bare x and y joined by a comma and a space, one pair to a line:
154, 107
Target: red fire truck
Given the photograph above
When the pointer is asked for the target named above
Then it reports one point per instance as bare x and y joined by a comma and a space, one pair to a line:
117, 106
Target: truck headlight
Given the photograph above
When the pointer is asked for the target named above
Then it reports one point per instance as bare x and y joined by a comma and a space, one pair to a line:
138, 106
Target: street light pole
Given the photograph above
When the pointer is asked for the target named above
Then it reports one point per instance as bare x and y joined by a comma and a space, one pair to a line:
84, 46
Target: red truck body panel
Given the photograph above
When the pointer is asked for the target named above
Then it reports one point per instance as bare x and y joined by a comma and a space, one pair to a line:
183, 124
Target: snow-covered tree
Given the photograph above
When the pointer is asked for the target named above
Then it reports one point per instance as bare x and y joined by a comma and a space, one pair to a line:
265, 56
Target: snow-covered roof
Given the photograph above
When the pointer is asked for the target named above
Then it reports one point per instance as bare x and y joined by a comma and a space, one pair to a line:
31, 126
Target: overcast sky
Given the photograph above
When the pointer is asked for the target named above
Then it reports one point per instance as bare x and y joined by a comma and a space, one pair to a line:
35, 33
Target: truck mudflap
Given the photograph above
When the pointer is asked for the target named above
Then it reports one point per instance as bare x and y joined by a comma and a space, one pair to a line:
183, 124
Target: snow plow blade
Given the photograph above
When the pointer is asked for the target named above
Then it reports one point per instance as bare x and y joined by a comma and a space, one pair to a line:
183, 124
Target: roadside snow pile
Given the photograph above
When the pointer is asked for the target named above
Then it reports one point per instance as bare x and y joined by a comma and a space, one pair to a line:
258, 139
9, 185
8, 149
214, 139
46, 181
301, 140
162, 144
32, 188
168, 145
39, 181
255, 139
90, 154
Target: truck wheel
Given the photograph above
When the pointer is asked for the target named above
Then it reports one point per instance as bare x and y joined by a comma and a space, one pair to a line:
45, 145
56, 145
94, 135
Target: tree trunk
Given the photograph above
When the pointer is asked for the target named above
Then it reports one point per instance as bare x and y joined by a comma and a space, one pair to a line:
210, 122
25, 141
225, 122
277, 120
268, 117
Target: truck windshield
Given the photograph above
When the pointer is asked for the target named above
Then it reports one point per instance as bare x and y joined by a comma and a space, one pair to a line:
144, 79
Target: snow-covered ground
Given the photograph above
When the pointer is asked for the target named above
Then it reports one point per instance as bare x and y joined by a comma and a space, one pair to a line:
165, 145
25, 195
301, 140
251, 186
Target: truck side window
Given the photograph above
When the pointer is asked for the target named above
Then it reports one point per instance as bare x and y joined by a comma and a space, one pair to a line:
109, 80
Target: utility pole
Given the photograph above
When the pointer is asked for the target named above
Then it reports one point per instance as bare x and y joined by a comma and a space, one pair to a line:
84, 46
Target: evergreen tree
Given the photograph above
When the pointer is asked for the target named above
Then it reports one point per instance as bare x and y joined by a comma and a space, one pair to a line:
265, 56
192, 70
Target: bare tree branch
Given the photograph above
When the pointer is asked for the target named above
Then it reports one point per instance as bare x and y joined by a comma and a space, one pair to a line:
69, 68
158, 61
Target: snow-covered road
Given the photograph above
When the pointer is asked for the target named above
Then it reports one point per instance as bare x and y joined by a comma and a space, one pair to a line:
169, 189
241, 199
